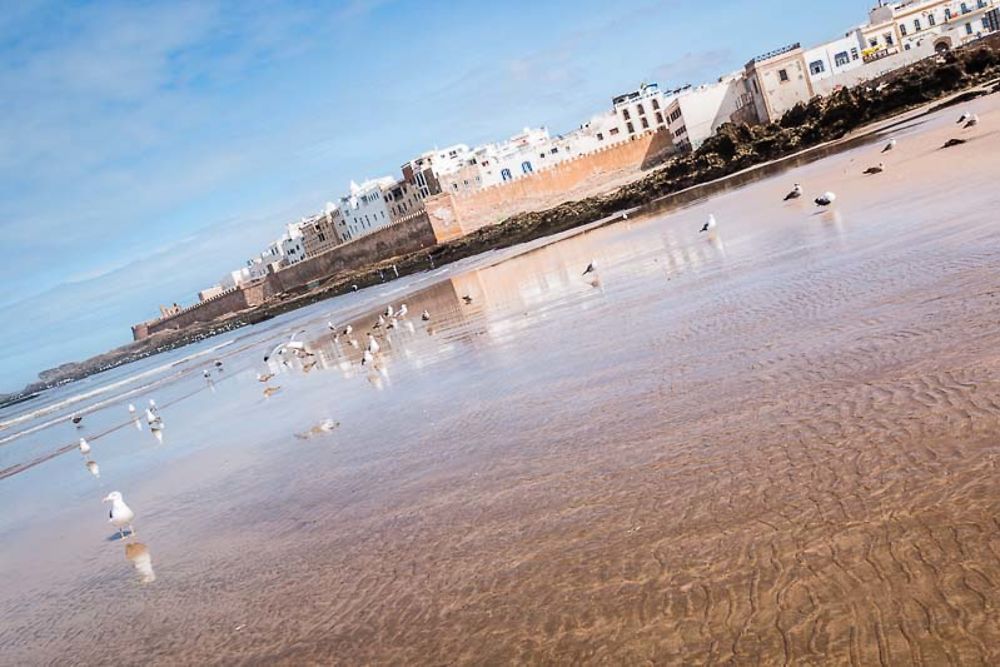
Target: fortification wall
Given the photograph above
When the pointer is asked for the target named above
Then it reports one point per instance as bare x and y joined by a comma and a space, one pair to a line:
454, 215
228, 302
408, 235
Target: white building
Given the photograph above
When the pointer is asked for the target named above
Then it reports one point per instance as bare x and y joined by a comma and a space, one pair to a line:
835, 57
901, 26
424, 172
694, 113
364, 210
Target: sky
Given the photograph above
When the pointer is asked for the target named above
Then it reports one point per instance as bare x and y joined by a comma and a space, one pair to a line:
147, 148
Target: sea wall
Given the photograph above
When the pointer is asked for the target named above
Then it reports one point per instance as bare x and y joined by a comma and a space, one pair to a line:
230, 301
454, 215
408, 235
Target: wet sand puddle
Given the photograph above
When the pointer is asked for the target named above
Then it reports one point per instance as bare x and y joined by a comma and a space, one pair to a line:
771, 444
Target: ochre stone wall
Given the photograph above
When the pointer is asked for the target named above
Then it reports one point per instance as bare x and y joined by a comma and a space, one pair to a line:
408, 235
456, 215
226, 303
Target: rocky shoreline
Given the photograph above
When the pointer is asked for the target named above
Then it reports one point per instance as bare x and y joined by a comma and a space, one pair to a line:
808, 131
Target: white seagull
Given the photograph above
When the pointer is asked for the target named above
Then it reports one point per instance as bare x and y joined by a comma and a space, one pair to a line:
291, 345
826, 199
367, 358
348, 329
795, 193
709, 224
121, 515
425, 316
972, 121
154, 420
373, 345
152, 406
389, 311
403, 310
889, 146
84, 446
591, 268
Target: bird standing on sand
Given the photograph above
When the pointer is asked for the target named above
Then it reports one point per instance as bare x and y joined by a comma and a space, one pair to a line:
84, 446
218, 364
795, 193
591, 268
354, 288
373, 345
154, 420
467, 299
205, 374
367, 358
152, 406
709, 224
281, 349
76, 419
403, 310
826, 199
961, 119
329, 325
348, 329
889, 146
121, 515
877, 169
425, 316
389, 312
972, 121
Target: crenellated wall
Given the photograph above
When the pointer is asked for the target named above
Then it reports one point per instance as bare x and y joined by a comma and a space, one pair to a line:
454, 215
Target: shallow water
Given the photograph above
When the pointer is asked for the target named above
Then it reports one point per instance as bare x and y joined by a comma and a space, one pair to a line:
776, 443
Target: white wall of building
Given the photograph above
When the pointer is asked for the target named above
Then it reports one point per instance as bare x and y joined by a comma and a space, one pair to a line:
364, 210
695, 113
834, 57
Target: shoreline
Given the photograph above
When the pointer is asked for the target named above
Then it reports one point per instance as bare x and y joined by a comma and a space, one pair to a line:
734, 157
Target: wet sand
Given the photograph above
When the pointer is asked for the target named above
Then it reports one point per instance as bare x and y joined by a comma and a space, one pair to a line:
774, 445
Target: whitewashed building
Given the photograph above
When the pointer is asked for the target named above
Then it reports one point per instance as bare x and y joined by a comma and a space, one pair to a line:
364, 210
423, 173
835, 57
694, 113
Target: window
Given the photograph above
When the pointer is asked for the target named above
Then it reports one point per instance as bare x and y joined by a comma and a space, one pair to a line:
931, 21
600, 136
986, 24
321, 237
526, 167
873, 42
947, 13
916, 25
656, 104
505, 174
631, 129
677, 113
782, 75
625, 114
659, 118
555, 149
965, 8
640, 109
645, 124
842, 59
541, 155
817, 67
968, 28
613, 132
890, 40
755, 89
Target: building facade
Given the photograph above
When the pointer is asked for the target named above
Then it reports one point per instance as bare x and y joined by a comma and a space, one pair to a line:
694, 113
777, 81
364, 210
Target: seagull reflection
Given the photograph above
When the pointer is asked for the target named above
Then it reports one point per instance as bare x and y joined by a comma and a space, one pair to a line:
93, 469
715, 240
158, 434
324, 427
137, 553
833, 220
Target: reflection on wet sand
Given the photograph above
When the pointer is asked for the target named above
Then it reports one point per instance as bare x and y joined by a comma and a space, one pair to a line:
138, 554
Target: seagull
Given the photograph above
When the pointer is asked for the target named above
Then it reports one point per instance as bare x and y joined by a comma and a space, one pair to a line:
322, 428
264, 377
889, 146
367, 358
354, 343
84, 446
379, 323
121, 515
425, 316
93, 468
393, 323
348, 329
76, 419
591, 268
218, 363
131, 410
826, 199
154, 420
972, 121
206, 374
878, 169
709, 224
373, 345
389, 312
152, 406
467, 299
354, 288
795, 193
329, 325
964, 117
625, 215
281, 349
403, 310
953, 142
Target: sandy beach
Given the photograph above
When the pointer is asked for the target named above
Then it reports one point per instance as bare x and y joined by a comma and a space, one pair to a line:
773, 444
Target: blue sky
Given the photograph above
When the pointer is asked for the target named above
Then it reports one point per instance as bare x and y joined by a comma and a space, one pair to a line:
146, 148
